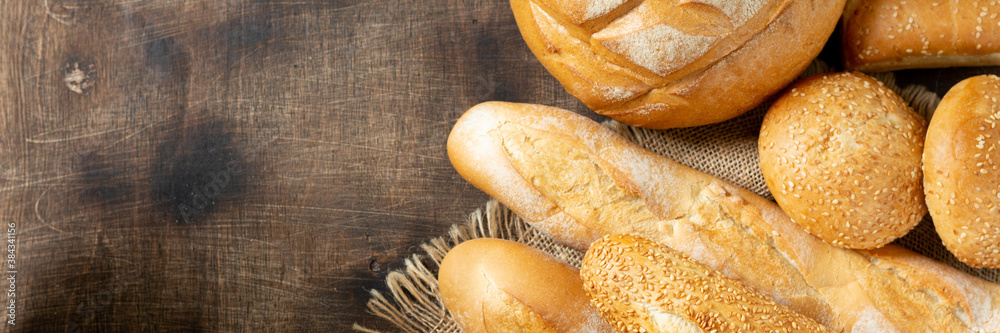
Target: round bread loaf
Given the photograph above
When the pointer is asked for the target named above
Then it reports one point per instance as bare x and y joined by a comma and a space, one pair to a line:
962, 170
663, 64
841, 154
641, 286
493, 285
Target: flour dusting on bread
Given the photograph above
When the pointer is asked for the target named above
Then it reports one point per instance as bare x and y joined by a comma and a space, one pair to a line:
683, 63
598, 8
661, 49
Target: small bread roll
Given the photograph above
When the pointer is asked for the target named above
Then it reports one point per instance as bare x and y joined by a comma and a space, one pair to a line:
841, 154
962, 170
641, 286
493, 285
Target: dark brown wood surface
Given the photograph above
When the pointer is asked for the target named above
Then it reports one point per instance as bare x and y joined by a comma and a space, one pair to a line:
237, 165
242, 165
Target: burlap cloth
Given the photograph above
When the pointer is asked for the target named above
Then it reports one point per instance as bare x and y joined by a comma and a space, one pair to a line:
727, 150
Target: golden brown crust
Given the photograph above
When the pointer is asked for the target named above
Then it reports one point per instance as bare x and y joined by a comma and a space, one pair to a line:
543, 159
477, 151
642, 286
728, 229
493, 285
663, 64
841, 154
968, 298
962, 170
887, 35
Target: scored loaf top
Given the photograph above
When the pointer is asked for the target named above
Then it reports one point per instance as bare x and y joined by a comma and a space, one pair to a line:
663, 63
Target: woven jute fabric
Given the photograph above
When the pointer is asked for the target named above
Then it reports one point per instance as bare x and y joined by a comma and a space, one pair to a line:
727, 150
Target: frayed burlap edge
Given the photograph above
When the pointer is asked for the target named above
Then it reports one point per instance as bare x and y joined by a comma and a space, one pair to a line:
414, 304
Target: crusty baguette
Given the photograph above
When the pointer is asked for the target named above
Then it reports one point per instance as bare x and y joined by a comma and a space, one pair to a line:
577, 181
962, 170
494, 285
888, 35
663, 64
640, 285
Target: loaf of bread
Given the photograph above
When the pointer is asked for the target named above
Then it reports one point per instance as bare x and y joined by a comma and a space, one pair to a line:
962, 170
888, 35
493, 285
663, 64
577, 181
841, 154
642, 286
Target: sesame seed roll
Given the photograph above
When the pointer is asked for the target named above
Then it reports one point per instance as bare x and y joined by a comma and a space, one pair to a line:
962, 170
841, 154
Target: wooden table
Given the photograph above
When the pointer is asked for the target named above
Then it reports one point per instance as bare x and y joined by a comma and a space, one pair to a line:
237, 165
243, 165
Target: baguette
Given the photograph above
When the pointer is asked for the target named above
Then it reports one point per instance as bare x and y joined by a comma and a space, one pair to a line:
494, 285
577, 181
663, 64
888, 35
643, 286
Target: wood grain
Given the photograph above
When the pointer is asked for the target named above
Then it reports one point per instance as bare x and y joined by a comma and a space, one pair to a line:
237, 165
241, 165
